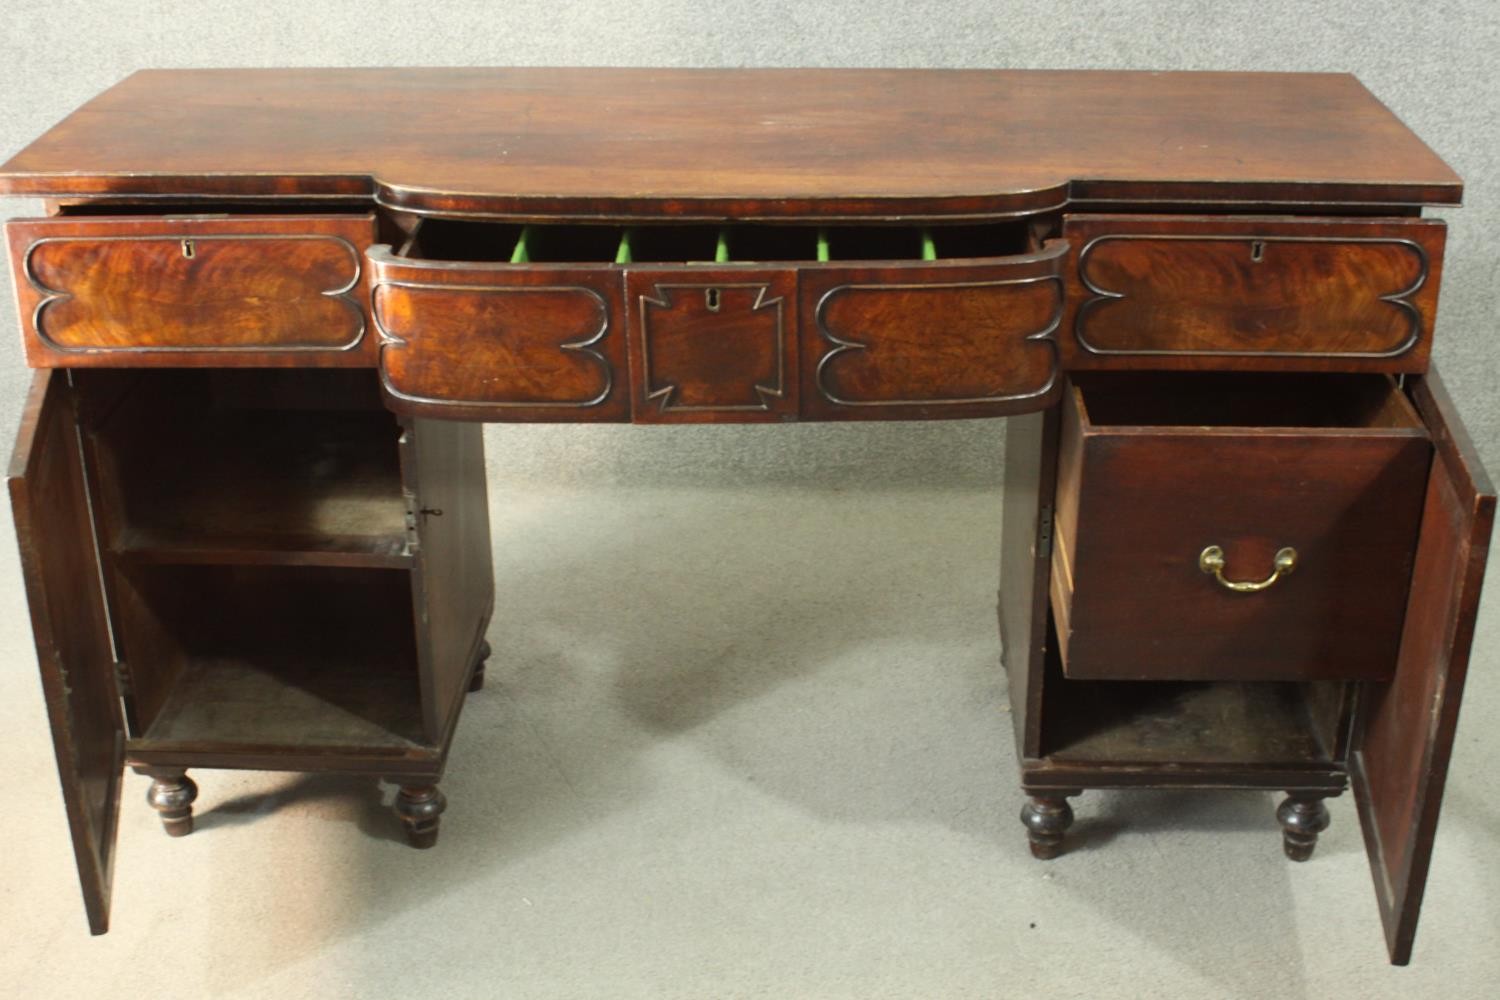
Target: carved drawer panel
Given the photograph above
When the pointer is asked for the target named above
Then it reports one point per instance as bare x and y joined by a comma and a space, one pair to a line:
945, 338
1227, 527
491, 321
1273, 293
490, 342
195, 290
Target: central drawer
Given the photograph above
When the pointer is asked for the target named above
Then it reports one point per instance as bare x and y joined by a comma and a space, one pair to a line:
1235, 527
736, 323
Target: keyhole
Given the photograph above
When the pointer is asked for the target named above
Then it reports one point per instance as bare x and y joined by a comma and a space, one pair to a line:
711, 300
1257, 251
187, 249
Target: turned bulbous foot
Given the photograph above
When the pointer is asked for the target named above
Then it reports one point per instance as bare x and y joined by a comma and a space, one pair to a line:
476, 679
420, 808
1302, 819
172, 795
1047, 818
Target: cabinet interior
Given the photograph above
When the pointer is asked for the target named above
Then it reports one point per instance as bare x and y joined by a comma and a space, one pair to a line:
247, 466
1238, 399
439, 239
268, 656
1258, 723
252, 527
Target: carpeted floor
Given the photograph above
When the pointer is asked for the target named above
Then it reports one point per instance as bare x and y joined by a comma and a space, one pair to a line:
747, 743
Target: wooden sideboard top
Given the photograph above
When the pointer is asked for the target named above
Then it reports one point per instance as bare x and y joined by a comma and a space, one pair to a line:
759, 143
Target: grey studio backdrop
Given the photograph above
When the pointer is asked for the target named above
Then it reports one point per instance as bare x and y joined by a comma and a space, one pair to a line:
879, 856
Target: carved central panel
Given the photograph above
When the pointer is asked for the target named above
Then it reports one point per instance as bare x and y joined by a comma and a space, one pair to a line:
714, 350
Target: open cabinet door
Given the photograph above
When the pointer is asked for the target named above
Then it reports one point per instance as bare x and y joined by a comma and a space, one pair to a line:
59, 565
1406, 725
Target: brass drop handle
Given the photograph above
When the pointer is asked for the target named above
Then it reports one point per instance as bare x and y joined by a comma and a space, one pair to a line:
1211, 560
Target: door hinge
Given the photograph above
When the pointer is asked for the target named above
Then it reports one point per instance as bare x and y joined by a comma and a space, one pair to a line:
416, 514
1044, 532
413, 516
123, 685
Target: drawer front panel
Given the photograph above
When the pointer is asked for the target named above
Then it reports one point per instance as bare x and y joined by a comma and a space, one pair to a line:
1274, 294
490, 342
954, 339
713, 344
1134, 599
221, 291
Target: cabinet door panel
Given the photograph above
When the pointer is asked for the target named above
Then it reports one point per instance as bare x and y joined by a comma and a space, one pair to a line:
60, 568
1026, 538
442, 470
1406, 726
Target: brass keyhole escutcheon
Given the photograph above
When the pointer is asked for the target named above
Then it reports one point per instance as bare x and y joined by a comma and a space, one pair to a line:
711, 300
1258, 251
188, 250
1211, 561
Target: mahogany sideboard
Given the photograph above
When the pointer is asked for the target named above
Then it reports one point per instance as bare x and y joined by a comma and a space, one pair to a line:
1243, 529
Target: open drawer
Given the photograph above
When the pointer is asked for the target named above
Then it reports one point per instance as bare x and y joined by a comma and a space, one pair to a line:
739, 323
192, 290
1235, 527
